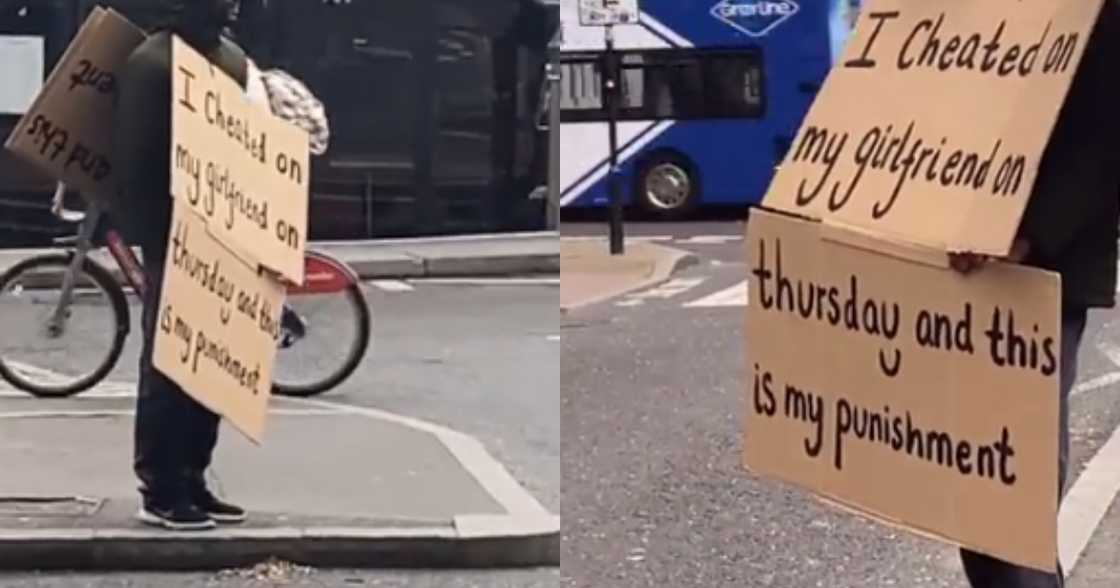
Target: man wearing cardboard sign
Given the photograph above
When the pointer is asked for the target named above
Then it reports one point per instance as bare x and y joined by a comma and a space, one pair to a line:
925, 141
1070, 227
175, 435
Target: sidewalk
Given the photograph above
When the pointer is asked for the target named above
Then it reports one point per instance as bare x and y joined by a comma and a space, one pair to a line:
332, 486
590, 274
510, 254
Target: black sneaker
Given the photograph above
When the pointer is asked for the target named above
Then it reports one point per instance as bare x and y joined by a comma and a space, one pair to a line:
182, 516
219, 511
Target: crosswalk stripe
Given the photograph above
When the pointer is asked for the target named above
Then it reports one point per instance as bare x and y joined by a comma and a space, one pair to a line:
734, 296
665, 291
711, 239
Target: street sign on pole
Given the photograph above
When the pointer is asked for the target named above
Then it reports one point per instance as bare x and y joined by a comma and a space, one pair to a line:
607, 14
611, 91
601, 13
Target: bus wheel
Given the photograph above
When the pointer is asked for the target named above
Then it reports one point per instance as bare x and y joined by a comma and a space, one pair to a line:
666, 187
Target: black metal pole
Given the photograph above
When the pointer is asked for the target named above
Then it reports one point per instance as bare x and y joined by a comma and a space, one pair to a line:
611, 96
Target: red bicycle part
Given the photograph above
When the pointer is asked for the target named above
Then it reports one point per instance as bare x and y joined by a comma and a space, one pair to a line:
324, 274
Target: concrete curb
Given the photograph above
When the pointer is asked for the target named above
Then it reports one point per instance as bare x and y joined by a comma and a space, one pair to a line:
678, 260
493, 256
513, 545
403, 266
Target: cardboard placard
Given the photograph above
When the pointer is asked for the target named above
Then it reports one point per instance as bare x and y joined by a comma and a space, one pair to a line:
931, 127
67, 132
218, 325
244, 170
921, 397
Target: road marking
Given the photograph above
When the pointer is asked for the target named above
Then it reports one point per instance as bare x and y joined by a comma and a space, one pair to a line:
667, 290
488, 281
1096, 383
1087, 502
553, 337
734, 296
1112, 352
392, 285
711, 239
102, 391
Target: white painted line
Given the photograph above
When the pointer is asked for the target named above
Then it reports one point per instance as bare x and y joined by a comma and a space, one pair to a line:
38, 373
1111, 351
392, 285
1096, 383
671, 288
728, 297
553, 337
487, 281
1087, 502
651, 238
100, 391
664, 291
711, 239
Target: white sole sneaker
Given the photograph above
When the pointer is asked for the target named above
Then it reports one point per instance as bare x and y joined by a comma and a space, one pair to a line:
150, 518
227, 519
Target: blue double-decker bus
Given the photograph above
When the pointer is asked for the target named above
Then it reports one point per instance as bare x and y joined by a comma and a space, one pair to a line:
712, 94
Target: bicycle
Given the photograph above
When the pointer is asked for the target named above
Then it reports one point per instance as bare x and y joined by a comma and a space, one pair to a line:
57, 284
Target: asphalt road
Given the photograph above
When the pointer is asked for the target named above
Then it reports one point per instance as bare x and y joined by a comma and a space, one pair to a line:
651, 397
482, 358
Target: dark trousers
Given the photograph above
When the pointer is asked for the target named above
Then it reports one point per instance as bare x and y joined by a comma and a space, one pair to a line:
987, 572
175, 436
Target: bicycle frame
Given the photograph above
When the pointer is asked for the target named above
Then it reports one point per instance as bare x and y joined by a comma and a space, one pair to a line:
323, 274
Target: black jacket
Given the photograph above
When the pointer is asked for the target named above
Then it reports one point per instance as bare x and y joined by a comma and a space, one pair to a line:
1073, 215
142, 138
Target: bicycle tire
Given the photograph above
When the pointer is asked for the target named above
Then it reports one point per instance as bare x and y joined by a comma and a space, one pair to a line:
353, 360
119, 305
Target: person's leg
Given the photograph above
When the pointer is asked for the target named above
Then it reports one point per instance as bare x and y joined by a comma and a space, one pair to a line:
987, 572
202, 439
159, 435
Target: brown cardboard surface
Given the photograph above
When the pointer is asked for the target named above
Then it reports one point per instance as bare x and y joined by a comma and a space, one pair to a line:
67, 133
934, 151
245, 171
872, 361
218, 324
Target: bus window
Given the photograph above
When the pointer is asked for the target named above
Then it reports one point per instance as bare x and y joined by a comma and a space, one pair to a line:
580, 86
734, 86
668, 85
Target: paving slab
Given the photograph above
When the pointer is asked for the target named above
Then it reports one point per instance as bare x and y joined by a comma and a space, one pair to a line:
590, 274
330, 486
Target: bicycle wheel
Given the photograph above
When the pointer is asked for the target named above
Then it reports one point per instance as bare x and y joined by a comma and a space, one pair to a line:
58, 362
337, 335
